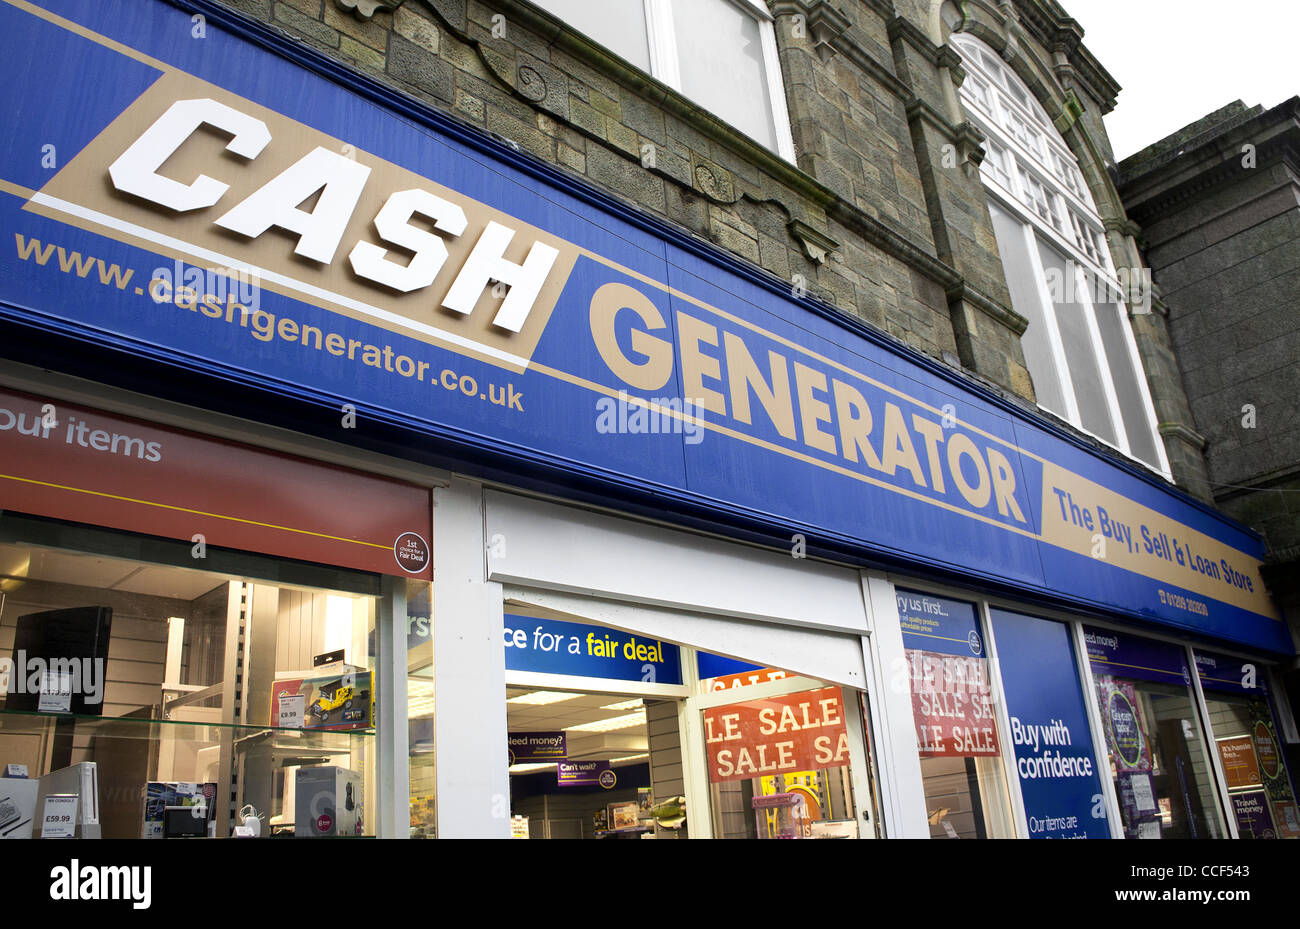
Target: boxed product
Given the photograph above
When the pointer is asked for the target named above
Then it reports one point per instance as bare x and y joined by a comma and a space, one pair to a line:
343, 699
327, 802
159, 796
17, 807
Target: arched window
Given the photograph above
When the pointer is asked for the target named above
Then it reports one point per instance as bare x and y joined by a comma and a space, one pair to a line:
1078, 347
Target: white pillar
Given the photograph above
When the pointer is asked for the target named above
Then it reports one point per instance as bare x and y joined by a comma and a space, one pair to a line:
893, 725
473, 792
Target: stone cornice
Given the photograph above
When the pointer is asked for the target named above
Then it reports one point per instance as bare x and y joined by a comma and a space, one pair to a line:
990, 307
916, 108
902, 28
1052, 28
365, 9
1212, 163
1183, 433
878, 71
824, 24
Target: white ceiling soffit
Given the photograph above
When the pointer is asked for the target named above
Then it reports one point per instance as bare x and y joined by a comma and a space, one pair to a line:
539, 544
836, 659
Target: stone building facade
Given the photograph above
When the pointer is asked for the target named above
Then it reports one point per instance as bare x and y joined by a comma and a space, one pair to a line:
1219, 206
881, 213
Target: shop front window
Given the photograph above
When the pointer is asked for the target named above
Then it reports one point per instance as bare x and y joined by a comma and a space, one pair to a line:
1159, 758
957, 730
165, 701
593, 739
1260, 791
615, 734
780, 763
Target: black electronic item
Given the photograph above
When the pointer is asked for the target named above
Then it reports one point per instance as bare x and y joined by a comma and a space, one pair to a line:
179, 822
79, 634
327, 658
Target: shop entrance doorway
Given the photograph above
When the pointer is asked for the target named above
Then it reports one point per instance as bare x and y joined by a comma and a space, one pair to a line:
615, 733
602, 786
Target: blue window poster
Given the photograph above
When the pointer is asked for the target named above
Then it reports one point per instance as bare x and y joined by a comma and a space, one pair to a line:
1049, 727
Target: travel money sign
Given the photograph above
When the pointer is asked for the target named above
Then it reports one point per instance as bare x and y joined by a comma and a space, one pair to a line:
438, 282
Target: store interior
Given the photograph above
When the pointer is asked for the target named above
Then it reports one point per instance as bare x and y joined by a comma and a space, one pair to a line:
598, 727
170, 695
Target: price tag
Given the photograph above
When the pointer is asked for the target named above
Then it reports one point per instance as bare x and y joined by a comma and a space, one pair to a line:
185, 788
291, 711
56, 693
1149, 830
1143, 795
243, 832
952, 833
59, 820
16, 770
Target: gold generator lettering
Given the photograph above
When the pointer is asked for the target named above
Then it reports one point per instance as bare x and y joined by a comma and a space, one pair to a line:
336, 181
827, 414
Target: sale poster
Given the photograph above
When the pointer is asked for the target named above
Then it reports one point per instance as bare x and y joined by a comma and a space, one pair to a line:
795, 732
952, 703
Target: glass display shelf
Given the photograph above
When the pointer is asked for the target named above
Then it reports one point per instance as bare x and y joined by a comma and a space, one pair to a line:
15, 722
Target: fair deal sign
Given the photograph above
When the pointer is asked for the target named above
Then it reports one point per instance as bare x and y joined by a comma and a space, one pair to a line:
219, 210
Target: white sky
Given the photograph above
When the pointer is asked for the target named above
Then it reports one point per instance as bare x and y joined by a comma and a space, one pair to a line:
1178, 60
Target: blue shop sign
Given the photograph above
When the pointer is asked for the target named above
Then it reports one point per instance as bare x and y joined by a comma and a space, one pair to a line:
1227, 674
551, 646
1134, 658
480, 303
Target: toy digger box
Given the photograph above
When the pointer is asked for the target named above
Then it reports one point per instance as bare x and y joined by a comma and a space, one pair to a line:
343, 699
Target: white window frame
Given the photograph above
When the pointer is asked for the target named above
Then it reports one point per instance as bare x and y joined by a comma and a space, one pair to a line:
664, 65
1067, 200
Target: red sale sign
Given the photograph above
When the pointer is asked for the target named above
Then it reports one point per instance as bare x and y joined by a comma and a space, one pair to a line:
953, 705
796, 732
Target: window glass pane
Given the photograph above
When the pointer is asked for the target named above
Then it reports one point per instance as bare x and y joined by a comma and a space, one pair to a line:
1132, 405
1025, 300
1071, 308
994, 166
720, 57
778, 767
1246, 737
957, 732
419, 707
589, 757
1159, 759
188, 689
619, 25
